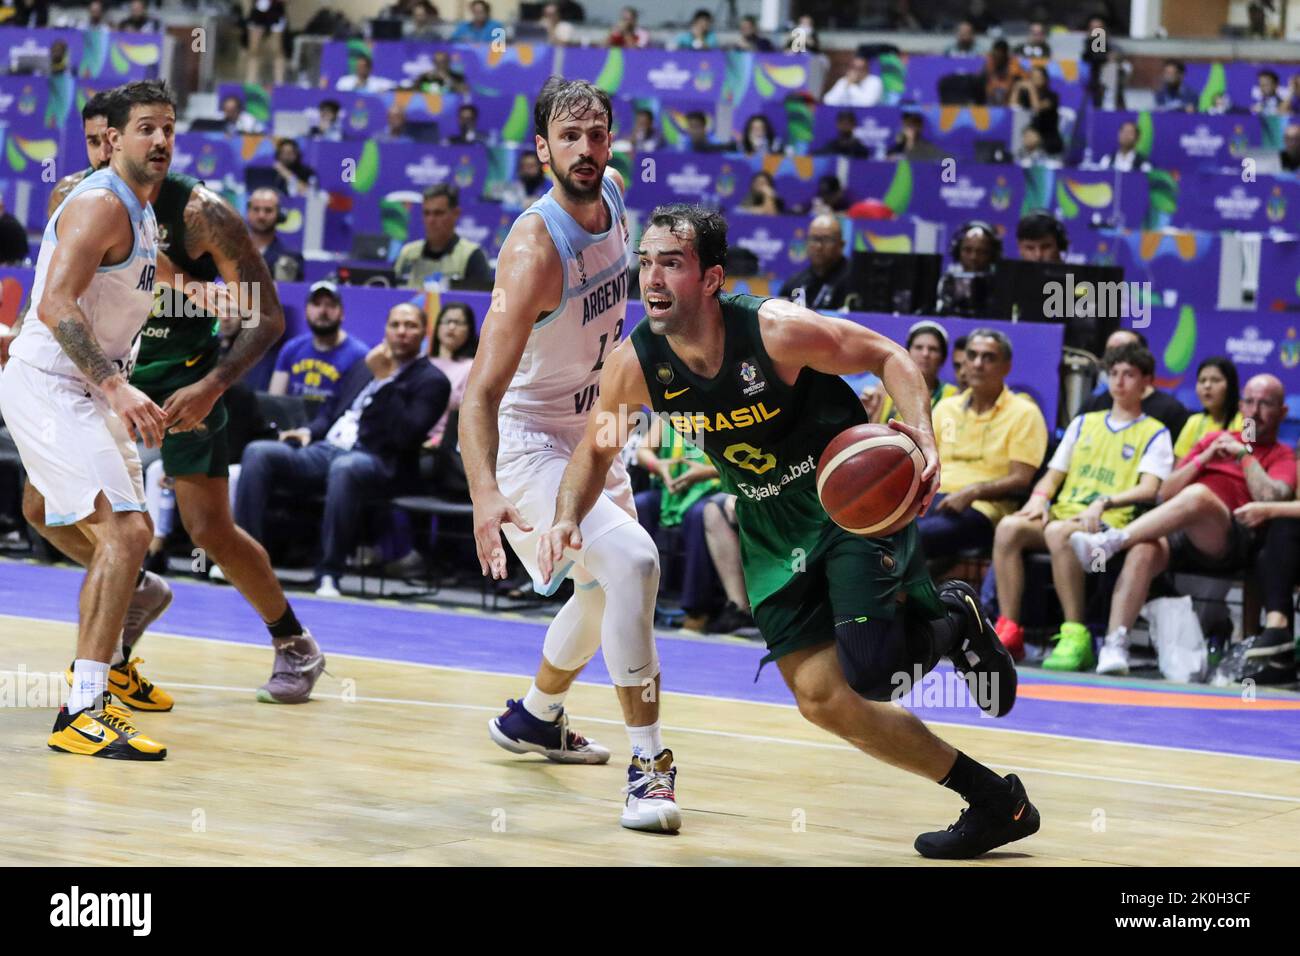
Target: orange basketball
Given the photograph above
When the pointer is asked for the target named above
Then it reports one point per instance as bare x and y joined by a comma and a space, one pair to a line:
869, 479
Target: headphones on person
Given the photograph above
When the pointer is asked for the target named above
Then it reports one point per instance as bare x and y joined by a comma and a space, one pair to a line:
1044, 218
954, 248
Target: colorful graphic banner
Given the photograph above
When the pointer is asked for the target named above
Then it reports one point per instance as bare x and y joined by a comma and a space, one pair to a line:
1182, 267
1180, 141
98, 55
1088, 200
916, 78
1279, 277
679, 75
1233, 85
1224, 202
955, 129
488, 71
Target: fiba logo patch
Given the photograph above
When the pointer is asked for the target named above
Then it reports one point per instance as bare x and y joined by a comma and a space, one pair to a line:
582, 270
664, 373
752, 379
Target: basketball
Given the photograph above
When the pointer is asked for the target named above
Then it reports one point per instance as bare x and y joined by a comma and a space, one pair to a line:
869, 479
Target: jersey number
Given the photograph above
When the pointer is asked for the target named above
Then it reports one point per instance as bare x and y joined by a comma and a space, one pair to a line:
744, 455
604, 339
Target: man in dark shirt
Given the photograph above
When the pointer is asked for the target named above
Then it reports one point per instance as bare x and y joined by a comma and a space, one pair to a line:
825, 283
1161, 406
263, 217
1290, 155
845, 143
1173, 94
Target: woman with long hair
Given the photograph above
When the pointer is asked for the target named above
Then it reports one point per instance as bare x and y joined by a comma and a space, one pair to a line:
1220, 397
451, 348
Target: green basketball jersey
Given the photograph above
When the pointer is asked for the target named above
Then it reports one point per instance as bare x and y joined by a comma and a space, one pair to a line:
176, 348
764, 436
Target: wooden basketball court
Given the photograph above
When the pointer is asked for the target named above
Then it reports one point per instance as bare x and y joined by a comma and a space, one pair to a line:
391, 764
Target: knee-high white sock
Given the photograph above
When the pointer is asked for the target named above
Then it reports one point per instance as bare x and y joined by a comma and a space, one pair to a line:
89, 681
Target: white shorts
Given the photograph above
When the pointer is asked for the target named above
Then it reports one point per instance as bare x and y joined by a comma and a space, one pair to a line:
72, 443
529, 468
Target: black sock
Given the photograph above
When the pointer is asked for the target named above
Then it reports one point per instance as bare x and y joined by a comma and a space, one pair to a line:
946, 632
973, 780
287, 625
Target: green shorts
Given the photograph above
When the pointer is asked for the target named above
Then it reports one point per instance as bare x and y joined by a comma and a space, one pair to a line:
203, 451
847, 577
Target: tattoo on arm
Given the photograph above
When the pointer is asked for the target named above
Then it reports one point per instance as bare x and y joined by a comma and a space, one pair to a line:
212, 226
74, 335
1261, 486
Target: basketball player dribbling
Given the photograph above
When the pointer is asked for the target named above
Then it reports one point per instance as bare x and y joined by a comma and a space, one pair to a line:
558, 312
843, 616
66, 398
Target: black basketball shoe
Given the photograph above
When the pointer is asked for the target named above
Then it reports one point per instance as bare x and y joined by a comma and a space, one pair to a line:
988, 667
989, 822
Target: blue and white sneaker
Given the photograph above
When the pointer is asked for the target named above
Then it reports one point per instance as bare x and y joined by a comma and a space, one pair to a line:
521, 733
651, 801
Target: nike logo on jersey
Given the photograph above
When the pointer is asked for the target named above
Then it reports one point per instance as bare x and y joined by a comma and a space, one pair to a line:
669, 396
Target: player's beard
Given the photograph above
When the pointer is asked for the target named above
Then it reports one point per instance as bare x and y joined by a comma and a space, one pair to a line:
576, 191
144, 173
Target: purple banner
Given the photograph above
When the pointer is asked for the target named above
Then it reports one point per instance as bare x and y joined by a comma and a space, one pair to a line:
211, 157
921, 76
882, 235
1279, 277
971, 191
1182, 267
487, 71
688, 177
1234, 85
97, 55
1223, 202
695, 76
1088, 200
361, 115
780, 243
951, 128
1180, 140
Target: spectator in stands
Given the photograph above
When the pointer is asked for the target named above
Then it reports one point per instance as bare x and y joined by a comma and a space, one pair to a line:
293, 176
1265, 98
1173, 93
1290, 155
1036, 47
467, 121
1000, 74
528, 186
238, 120
1040, 237
1161, 406
991, 442
328, 128
1030, 152
901, 17
139, 21
559, 32
93, 19
628, 32
762, 198
58, 58
362, 78
1035, 94
313, 364
911, 144
858, 87
442, 253
1220, 397
395, 131
830, 197
452, 348
683, 481
751, 40
264, 216
14, 247
966, 287
845, 143
697, 135
1098, 49
759, 138
442, 78
644, 137
423, 24
1270, 656
981, 18
700, 35
826, 283
803, 36
723, 538
267, 20
1196, 528
1106, 463
480, 27
1292, 104
959, 363
927, 344
964, 44
363, 444
1126, 157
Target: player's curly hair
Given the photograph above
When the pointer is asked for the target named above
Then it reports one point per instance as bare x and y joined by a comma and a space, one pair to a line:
560, 97
709, 226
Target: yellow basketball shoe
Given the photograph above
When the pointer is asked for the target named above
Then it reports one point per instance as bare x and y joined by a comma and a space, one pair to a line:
104, 732
137, 692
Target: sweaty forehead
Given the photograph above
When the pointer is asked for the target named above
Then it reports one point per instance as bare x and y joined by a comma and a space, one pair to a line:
662, 239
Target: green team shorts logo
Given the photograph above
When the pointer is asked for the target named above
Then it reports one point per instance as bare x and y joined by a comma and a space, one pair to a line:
746, 456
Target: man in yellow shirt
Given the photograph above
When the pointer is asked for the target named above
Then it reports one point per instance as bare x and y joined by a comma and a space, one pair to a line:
991, 443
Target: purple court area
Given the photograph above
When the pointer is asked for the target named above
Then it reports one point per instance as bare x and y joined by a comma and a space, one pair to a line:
721, 669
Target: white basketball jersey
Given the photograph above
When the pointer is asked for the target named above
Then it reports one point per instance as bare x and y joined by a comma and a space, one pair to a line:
555, 386
116, 303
